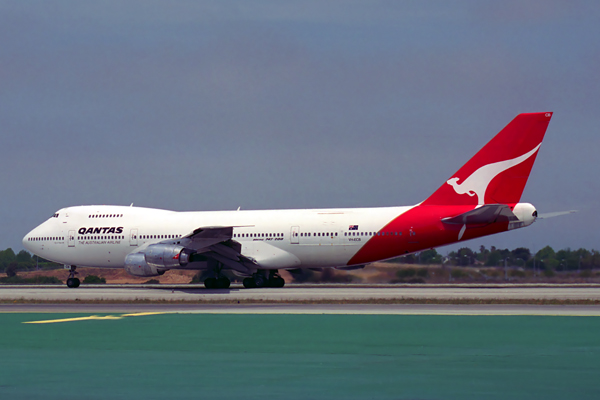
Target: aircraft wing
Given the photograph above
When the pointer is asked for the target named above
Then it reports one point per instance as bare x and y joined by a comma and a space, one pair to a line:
207, 236
215, 243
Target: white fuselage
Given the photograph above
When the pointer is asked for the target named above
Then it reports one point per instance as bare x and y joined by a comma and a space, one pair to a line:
102, 236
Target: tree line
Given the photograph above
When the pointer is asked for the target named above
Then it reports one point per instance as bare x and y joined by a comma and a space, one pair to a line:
10, 262
545, 259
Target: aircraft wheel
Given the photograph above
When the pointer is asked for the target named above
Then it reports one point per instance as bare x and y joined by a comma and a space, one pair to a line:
259, 280
223, 283
210, 283
277, 282
249, 283
73, 282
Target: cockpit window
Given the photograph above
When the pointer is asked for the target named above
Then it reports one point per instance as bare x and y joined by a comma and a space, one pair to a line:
55, 215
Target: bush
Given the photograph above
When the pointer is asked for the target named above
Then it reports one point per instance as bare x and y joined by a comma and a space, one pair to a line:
548, 273
45, 280
586, 274
13, 280
458, 273
36, 280
11, 270
93, 279
406, 273
423, 272
494, 273
156, 281
517, 273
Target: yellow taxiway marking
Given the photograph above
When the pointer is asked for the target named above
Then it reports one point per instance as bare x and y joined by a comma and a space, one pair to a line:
94, 317
529, 313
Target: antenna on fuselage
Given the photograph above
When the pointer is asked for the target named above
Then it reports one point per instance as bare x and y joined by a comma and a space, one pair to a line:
239, 208
131, 205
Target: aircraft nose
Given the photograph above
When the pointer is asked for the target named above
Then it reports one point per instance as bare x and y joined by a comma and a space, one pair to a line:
26, 241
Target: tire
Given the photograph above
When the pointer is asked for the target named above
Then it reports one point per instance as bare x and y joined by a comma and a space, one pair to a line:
278, 282
210, 283
223, 283
249, 283
259, 281
73, 283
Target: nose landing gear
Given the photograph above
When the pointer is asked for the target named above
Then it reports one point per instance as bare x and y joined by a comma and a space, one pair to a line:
73, 282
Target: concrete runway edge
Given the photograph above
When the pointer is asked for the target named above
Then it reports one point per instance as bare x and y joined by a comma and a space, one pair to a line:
367, 295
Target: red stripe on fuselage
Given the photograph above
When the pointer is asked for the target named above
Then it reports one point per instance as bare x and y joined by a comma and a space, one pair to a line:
418, 229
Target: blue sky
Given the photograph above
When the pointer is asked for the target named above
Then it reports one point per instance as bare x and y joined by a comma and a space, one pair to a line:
211, 105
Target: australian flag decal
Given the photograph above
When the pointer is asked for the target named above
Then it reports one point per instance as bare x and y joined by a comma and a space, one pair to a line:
353, 228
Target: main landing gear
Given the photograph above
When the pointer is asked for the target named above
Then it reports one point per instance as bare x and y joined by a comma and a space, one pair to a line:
259, 280
73, 282
220, 282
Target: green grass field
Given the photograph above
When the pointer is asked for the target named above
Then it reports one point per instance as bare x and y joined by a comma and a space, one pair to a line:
181, 356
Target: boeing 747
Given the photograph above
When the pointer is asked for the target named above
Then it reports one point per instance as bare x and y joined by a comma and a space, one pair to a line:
480, 199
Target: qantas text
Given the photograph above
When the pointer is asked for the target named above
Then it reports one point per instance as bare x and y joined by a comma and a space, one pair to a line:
95, 231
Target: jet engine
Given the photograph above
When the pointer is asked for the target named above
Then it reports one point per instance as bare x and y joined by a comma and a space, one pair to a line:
156, 259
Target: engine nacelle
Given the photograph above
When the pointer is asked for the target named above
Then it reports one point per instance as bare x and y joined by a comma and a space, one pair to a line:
136, 265
166, 256
156, 259
526, 213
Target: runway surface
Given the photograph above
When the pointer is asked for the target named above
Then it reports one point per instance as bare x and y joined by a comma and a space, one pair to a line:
315, 309
266, 356
186, 293
184, 342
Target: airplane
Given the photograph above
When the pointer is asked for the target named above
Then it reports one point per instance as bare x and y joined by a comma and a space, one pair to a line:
480, 199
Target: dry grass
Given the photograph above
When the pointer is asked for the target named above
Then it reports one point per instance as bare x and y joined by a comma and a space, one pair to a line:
375, 273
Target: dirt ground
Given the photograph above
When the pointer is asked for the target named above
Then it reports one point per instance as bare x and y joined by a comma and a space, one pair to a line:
119, 276
372, 273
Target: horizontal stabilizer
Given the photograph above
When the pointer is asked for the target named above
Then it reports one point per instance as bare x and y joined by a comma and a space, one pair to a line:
556, 214
483, 215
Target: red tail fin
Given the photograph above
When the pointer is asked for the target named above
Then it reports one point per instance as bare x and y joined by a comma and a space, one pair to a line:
497, 174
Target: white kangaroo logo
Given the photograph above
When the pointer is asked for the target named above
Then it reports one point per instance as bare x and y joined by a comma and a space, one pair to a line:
478, 181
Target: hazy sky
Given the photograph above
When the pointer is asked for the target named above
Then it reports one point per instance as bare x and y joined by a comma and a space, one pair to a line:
211, 105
